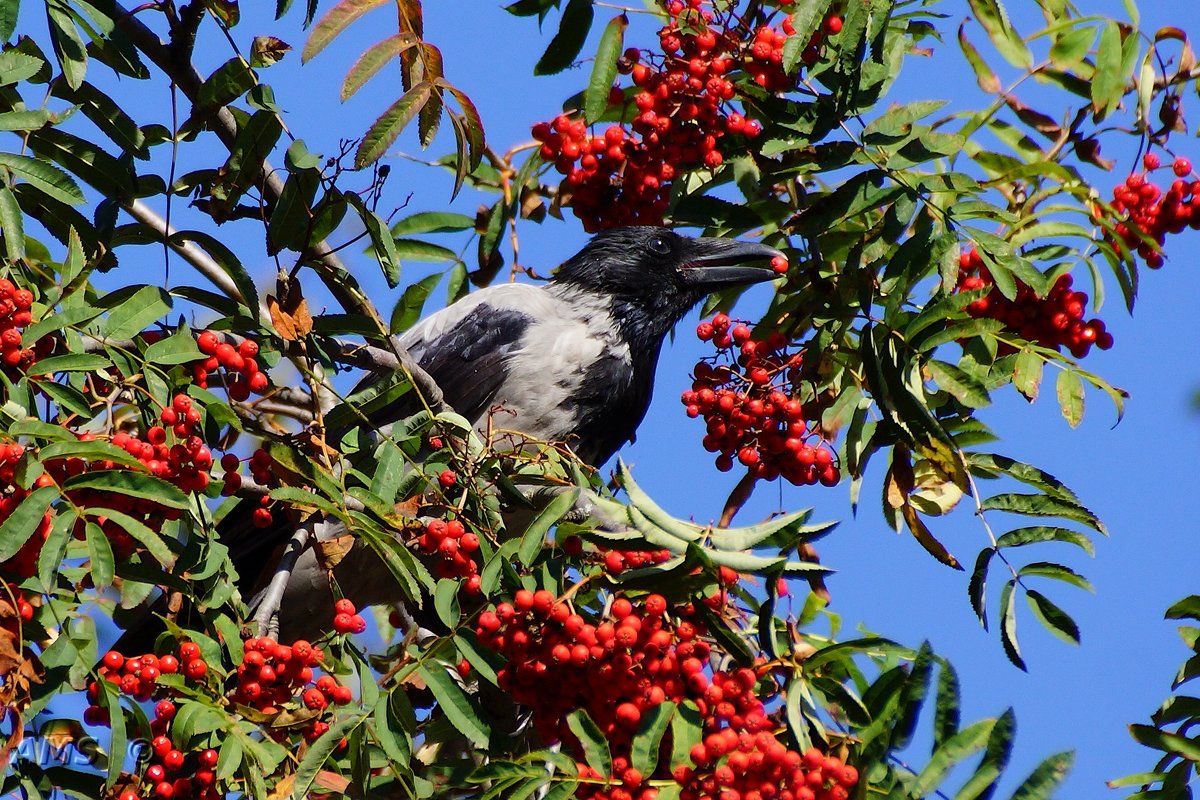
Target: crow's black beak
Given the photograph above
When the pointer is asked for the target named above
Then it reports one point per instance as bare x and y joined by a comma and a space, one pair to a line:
718, 263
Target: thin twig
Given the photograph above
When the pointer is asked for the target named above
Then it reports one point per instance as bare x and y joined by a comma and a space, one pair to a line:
202, 261
332, 271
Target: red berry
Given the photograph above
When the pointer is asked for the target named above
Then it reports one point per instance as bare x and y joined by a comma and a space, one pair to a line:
447, 478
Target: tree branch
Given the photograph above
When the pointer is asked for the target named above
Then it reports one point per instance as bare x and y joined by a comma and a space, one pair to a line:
332, 271
266, 616
190, 253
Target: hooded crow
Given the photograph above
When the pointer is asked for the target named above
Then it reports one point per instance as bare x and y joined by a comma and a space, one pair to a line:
571, 361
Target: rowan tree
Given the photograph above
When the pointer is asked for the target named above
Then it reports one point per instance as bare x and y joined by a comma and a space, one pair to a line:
153, 381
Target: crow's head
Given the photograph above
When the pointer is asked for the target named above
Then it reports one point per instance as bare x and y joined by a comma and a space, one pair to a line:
654, 276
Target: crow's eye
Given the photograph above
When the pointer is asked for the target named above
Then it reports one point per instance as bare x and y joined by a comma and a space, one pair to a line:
658, 245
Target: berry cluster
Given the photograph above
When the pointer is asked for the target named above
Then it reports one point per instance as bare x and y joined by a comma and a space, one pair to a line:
346, 618
260, 470
1053, 321
683, 113
629, 663
455, 546
14, 317
748, 403
23, 563
171, 773
273, 675
1141, 204
184, 462
617, 561
138, 677
244, 376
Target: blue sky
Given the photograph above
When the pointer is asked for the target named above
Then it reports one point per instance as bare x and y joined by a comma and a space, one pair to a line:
1140, 476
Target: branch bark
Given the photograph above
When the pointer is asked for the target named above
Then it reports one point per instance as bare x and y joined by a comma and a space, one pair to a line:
175, 64
190, 253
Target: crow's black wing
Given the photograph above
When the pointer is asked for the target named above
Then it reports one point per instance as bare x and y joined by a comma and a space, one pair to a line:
468, 359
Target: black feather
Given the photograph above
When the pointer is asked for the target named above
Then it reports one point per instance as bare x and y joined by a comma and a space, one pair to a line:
468, 361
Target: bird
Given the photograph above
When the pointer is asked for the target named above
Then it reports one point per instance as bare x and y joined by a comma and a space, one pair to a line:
573, 360
570, 361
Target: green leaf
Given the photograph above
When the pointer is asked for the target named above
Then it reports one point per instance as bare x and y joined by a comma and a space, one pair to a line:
1108, 83
947, 710
572, 33
646, 744
1025, 473
1041, 533
256, 138
15, 66
455, 704
373, 59
981, 785
445, 602
1046, 569
957, 748
686, 732
1187, 608
24, 520
70, 362
1046, 777
417, 250
11, 224
290, 226
24, 120
148, 537
1167, 742
412, 302
43, 176
107, 115
977, 587
95, 450
133, 484
897, 122
1039, 505
535, 534
319, 752
604, 68
386, 129
227, 83
383, 246
1054, 618
101, 561
1069, 389
1008, 626
68, 398
994, 19
178, 348
1027, 373
985, 76
483, 660
595, 746
69, 46
336, 20
432, 222
147, 305
965, 388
